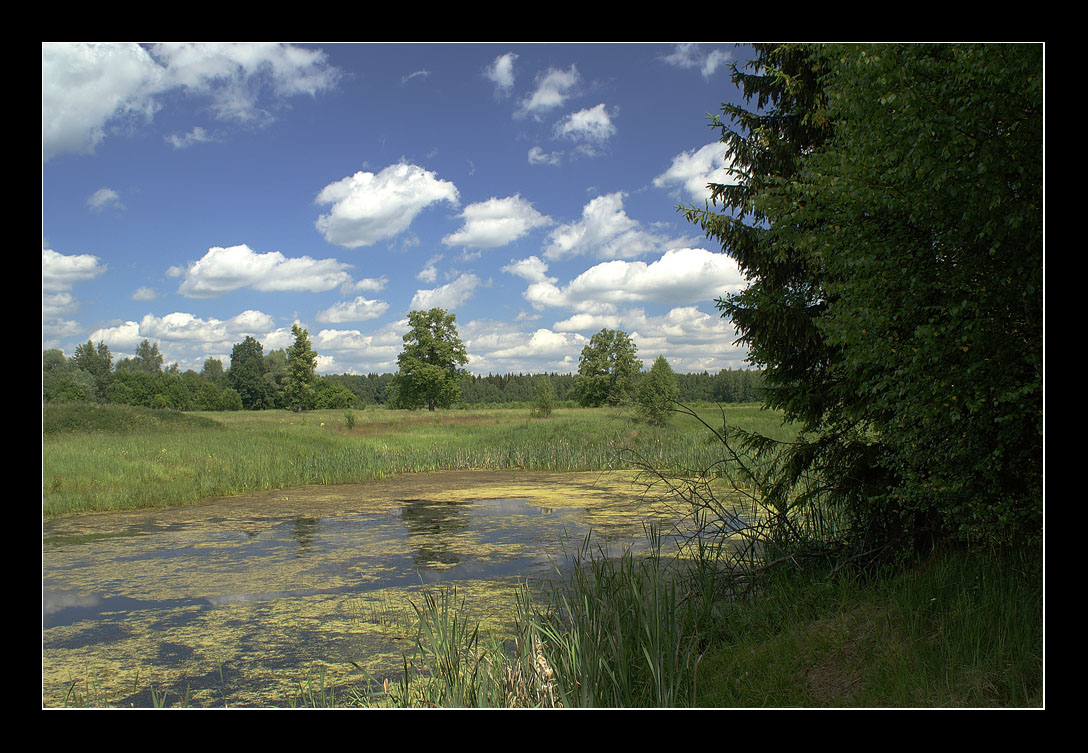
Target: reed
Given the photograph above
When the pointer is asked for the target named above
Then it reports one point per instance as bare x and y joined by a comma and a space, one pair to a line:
135, 460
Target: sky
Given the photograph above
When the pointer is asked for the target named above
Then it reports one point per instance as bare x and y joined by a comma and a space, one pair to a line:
196, 194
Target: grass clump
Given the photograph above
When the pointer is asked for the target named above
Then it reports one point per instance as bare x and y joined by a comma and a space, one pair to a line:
76, 418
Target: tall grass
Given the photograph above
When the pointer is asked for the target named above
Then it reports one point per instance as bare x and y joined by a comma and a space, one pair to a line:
116, 466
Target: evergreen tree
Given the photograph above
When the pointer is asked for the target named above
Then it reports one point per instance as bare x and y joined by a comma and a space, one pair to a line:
300, 386
888, 215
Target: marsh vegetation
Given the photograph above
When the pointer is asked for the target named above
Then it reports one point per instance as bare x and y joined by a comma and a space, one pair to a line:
538, 564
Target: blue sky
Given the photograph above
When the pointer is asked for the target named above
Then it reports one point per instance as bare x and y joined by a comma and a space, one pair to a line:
196, 194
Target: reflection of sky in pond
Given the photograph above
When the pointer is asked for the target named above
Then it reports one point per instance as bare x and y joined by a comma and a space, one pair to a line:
259, 589
422, 541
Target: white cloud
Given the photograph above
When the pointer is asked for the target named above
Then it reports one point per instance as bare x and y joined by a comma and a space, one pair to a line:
124, 336
695, 169
714, 60
503, 347
415, 74
368, 207
61, 272
87, 88
144, 294
501, 72
368, 284
552, 90
538, 156
591, 128
223, 270
449, 296
57, 305
359, 310
531, 269
689, 55
496, 222
362, 353
684, 55
685, 274
104, 198
606, 232
196, 135
589, 322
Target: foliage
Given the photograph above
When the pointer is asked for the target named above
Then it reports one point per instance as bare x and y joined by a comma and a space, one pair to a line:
96, 361
299, 389
543, 397
607, 369
148, 359
429, 367
888, 214
331, 395
247, 371
658, 394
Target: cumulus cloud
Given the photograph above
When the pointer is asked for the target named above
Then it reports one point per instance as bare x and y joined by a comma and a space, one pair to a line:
88, 88
104, 198
590, 128
496, 222
448, 296
606, 232
359, 310
693, 170
531, 269
57, 305
368, 284
368, 207
501, 72
62, 271
223, 270
553, 88
362, 353
502, 347
685, 274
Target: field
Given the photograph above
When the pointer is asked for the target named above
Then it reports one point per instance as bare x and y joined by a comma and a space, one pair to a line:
129, 459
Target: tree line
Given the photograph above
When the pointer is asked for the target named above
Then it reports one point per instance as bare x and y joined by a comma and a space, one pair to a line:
255, 380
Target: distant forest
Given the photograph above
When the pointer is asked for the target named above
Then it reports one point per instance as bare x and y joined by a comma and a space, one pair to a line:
727, 386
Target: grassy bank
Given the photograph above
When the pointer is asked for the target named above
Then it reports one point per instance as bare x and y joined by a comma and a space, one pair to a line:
959, 630
115, 457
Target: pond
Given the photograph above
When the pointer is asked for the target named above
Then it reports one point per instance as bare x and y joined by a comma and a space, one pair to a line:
249, 601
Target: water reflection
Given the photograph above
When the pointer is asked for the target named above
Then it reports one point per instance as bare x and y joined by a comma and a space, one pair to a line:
277, 584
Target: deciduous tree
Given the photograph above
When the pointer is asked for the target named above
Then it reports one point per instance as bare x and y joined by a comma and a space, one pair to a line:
658, 394
607, 369
429, 368
247, 369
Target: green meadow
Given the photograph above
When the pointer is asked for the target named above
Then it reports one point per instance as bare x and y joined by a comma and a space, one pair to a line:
115, 457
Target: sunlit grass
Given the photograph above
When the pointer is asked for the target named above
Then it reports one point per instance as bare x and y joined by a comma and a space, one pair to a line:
244, 452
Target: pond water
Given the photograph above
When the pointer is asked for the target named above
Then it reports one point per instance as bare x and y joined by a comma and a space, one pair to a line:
246, 601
